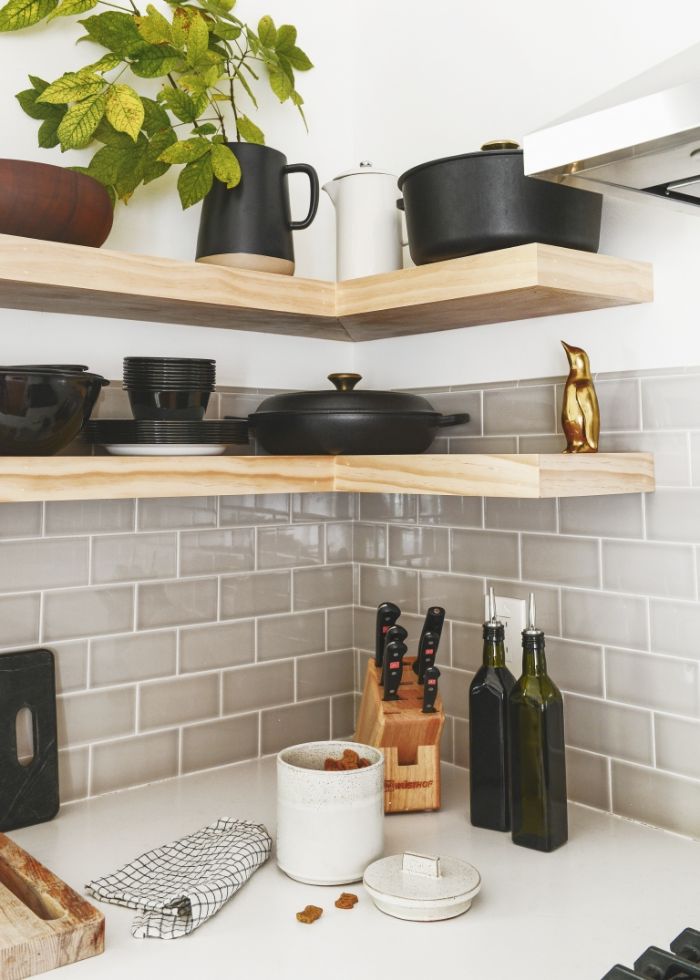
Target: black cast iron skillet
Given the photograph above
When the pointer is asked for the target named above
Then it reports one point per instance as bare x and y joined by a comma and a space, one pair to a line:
348, 422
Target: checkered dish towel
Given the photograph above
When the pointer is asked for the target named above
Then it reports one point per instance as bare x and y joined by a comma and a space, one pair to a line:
180, 885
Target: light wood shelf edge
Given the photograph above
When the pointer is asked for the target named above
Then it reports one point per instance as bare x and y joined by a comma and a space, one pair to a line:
510, 284
25, 478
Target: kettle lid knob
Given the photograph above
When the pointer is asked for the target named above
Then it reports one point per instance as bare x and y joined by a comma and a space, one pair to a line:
366, 163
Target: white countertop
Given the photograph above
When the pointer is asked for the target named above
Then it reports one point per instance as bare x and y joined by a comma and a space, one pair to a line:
614, 889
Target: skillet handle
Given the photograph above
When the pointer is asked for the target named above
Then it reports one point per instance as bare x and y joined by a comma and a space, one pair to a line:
459, 419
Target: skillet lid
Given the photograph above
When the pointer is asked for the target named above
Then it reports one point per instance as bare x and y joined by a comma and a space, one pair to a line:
501, 147
344, 398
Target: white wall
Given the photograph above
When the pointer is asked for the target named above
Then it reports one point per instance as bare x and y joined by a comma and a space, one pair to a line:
400, 82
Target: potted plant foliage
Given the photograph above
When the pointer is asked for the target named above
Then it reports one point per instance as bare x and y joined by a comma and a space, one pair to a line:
206, 64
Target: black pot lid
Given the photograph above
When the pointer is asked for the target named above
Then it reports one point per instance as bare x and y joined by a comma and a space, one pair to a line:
343, 398
502, 147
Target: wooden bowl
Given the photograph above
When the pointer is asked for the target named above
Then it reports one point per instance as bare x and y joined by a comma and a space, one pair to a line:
40, 200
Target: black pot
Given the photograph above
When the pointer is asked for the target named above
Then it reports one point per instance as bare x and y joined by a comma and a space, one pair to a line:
41, 412
479, 202
347, 422
250, 226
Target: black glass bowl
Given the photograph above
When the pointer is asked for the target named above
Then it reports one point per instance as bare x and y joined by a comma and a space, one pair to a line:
41, 412
169, 405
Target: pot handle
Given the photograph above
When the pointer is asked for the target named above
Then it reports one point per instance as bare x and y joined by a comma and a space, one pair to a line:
459, 419
404, 232
305, 168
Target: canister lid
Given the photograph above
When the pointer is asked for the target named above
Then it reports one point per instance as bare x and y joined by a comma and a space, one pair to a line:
420, 887
365, 167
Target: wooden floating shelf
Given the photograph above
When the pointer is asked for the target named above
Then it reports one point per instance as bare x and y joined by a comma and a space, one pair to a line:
511, 284
525, 475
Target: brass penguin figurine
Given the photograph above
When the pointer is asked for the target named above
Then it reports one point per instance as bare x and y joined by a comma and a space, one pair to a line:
580, 414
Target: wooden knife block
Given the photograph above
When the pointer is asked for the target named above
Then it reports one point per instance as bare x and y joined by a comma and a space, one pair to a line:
43, 922
409, 739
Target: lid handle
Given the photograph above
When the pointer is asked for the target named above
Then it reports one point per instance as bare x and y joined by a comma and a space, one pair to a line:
421, 864
505, 144
344, 382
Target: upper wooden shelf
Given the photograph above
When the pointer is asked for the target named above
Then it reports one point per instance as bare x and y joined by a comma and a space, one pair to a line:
526, 475
511, 284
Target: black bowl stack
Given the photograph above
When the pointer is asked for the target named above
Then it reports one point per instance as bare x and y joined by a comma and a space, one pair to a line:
169, 398
169, 388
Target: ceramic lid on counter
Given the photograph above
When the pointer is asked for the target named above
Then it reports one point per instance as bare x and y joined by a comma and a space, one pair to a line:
365, 167
422, 888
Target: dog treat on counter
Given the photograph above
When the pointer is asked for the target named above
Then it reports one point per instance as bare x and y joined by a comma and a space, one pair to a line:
346, 901
310, 914
349, 760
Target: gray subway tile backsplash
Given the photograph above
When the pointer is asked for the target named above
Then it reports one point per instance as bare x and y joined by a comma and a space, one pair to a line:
264, 623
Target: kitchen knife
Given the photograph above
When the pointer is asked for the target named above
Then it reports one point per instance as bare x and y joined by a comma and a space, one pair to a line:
387, 614
393, 669
395, 634
434, 619
430, 690
426, 653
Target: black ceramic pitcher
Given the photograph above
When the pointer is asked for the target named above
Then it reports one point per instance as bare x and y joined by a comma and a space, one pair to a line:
250, 226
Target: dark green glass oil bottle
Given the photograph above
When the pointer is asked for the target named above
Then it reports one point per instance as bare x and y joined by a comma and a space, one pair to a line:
537, 766
488, 731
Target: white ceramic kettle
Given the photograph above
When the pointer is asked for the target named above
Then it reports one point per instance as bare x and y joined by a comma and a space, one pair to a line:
368, 223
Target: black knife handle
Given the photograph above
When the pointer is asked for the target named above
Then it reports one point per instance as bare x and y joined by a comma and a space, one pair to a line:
395, 634
427, 654
430, 690
393, 669
387, 614
434, 619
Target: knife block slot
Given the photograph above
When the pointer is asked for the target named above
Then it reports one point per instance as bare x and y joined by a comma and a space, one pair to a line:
409, 739
43, 906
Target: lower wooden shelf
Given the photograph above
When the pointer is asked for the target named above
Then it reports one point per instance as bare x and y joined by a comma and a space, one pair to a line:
470, 475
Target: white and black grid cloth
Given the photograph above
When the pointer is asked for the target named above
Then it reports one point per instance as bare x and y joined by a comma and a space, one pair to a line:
180, 885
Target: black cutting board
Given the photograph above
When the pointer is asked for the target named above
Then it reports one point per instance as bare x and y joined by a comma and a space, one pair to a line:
28, 793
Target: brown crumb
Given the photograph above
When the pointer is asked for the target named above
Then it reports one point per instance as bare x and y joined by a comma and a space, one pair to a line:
346, 901
310, 914
348, 761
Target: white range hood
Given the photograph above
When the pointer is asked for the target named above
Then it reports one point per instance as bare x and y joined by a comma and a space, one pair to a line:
641, 138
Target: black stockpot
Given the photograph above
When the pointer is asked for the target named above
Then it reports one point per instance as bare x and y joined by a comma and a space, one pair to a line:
347, 422
479, 202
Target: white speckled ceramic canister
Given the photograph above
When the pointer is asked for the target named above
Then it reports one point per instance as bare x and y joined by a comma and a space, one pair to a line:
330, 825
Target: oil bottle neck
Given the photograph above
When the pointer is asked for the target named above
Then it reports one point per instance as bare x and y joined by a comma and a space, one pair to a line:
494, 651
534, 660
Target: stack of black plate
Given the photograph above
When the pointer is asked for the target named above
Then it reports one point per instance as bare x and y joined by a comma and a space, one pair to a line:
139, 437
169, 388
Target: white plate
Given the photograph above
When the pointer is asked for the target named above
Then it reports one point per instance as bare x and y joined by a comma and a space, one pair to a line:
421, 888
121, 449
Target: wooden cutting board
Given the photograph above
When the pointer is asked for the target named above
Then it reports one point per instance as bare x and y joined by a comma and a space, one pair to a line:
43, 922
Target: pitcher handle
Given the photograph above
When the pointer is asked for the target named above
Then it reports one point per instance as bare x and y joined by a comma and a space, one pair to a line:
305, 168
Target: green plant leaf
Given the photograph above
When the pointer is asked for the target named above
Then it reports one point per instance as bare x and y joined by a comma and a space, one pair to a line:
80, 122
67, 8
286, 37
72, 87
244, 82
197, 40
106, 63
37, 83
227, 32
206, 129
253, 42
280, 83
106, 133
226, 167
186, 151
195, 180
249, 131
125, 110
154, 27
155, 119
153, 166
298, 59
48, 131
156, 61
267, 32
17, 14
180, 27
35, 110
299, 102
180, 103
115, 31
109, 161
